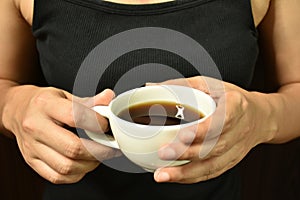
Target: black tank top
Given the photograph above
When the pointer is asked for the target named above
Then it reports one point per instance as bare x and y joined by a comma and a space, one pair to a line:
69, 31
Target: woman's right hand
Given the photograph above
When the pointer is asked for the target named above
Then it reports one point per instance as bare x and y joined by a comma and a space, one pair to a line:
37, 117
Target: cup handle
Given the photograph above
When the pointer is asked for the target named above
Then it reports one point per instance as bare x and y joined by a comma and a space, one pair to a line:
102, 110
104, 139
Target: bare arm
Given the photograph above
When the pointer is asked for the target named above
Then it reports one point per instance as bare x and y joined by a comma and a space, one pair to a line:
18, 57
251, 118
36, 116
280, 40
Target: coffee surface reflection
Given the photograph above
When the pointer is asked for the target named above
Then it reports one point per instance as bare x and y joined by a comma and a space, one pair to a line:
159, 113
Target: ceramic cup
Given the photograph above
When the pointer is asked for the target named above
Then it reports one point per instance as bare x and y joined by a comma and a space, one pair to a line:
139, 142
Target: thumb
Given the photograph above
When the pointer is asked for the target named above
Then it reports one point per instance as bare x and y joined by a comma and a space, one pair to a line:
211, 86
103, 98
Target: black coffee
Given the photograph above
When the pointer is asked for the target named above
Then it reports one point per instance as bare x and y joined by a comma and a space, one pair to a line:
160, 113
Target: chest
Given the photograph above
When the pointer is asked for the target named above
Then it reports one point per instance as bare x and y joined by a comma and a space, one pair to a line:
69, 31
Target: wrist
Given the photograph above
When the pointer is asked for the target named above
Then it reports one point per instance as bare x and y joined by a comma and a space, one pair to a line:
5, 86
265, 115
13, 98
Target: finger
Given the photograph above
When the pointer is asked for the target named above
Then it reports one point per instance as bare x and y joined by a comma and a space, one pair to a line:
180, 81
194, 142
212, 128
200, 170
80, 115
76, 115
194, 133
70, 145
206, 130
63, 141
62, 164
211, 86
103, 98
222, 133
179, 151
51, 175
184, 140
99, 151
227, 140
88, 119
182, 151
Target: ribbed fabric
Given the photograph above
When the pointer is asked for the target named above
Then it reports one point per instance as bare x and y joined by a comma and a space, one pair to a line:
68, 30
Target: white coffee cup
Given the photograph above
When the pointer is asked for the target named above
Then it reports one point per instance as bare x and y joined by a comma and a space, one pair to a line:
140, 143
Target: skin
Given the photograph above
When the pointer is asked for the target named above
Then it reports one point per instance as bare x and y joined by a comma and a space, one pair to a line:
251, 118
36, 116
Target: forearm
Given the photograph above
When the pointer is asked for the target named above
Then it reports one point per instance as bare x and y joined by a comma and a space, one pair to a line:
280, 48
279, 113
288, 116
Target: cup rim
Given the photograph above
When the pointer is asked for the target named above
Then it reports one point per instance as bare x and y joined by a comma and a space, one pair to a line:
213, 103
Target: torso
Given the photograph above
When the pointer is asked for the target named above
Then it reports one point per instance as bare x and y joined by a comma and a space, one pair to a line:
67, 46
259, 7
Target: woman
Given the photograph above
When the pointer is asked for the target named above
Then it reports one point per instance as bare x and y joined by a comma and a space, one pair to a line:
50, 39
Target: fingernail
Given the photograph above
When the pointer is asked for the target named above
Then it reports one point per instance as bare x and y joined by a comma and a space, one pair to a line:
109, 91
167, 153
187, 136
162, 176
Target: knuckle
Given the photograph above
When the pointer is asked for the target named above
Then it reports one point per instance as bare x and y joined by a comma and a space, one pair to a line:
66, 168
244, 133
180, 176
55, 178
228, 116
189, 153
208, 177
244, 103
211, 168
41, 98
236, 107
73, 149
77, 178
62, 179
238, 98
221, 148
28, 124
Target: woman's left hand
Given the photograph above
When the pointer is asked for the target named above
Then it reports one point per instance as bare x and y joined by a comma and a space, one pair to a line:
241, 121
